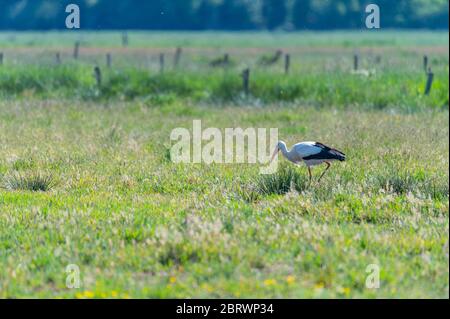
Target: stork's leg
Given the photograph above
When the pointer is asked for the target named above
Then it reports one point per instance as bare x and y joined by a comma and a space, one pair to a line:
310, 175
326, 169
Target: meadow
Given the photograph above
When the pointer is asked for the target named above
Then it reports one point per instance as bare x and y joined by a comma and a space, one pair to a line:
86, 177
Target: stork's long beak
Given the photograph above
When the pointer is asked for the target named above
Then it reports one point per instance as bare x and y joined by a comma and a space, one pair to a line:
275, 153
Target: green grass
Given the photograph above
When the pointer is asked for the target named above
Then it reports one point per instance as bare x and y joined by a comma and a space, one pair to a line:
140, 226
321, 75
386, 89
86, 177
384, 38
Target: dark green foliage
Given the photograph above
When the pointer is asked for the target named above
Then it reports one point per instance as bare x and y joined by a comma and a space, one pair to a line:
221, 15
274, 13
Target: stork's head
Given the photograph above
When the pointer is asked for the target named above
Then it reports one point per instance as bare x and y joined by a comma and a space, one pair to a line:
280, 146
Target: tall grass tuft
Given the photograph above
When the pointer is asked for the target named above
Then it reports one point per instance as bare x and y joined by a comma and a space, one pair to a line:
400, 182
286, 179
35, 182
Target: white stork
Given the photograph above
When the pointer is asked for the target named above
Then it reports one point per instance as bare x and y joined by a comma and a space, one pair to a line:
311, 153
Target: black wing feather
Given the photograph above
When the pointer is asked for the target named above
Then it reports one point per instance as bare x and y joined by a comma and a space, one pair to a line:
327, 153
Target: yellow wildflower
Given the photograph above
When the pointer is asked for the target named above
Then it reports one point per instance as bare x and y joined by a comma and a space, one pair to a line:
270, 282
345, 291
290, 279
89, 294
79, 295
319, 286
207, 288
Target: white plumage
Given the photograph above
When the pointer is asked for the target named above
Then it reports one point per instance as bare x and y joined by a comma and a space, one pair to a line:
310, 153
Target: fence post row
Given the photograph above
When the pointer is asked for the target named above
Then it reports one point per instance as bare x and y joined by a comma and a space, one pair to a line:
76, 50
246, 81
226, 59
108, 60
177, 58
161, 63
287, 63
430, 78
98, 76
125, 39
425, 63
355, 62
378, 59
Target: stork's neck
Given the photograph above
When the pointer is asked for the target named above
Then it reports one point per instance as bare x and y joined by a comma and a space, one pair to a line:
285, 151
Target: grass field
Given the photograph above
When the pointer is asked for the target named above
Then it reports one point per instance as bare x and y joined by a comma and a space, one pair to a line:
86, 177
209, 40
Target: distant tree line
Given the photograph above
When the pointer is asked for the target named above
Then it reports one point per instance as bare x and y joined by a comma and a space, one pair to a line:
223, 14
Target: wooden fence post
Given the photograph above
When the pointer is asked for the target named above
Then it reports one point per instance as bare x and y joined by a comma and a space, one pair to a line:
355, 62
425, 63
287, 63
124, 39
76, 50
108, 60
161, 63
226, 59
246, 81
98, 76
430, 77
1, 58
58, 58
378, 59
177, 58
